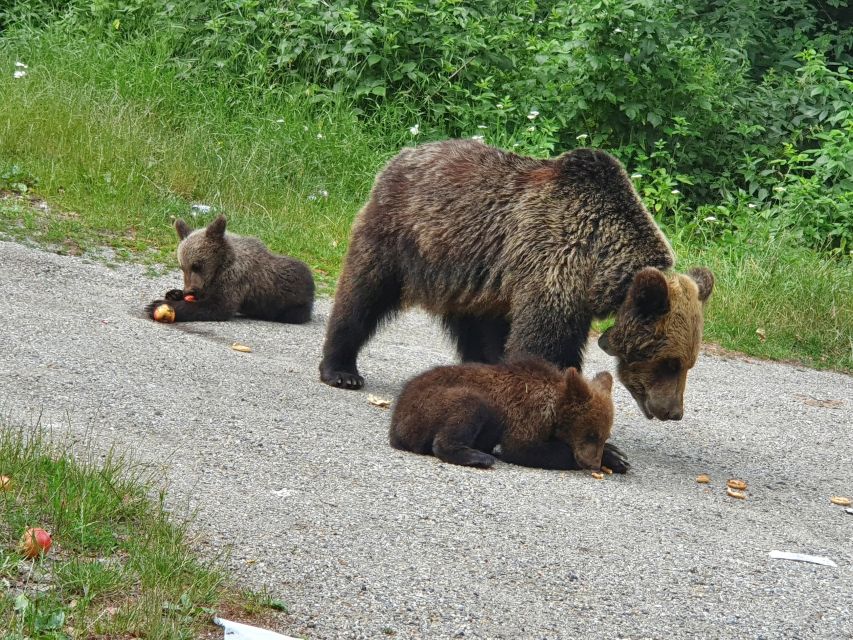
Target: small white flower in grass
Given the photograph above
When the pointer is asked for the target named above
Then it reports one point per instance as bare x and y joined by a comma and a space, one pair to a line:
197, 208
478, 138
482, 126
581, 137
532, 115
531, 128
675, 192
618, 30
500, 105
21, 65
516, 144
280, 120
324, 193
710, 219
779, 189
636, 175
320, 136
415, 130
751, 205
20, 74
305, 127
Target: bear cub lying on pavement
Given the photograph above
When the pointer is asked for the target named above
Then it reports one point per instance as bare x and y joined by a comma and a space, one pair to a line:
225, 274
540, 416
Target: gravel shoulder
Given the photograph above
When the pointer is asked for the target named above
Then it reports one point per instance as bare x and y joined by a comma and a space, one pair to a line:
363, 541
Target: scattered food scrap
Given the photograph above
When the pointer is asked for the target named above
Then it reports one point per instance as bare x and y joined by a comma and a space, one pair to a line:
703, 478
840, 500
376, 401
241, 348
5, 483
732, 493
597, 475
164, 313
740, 485
34, 542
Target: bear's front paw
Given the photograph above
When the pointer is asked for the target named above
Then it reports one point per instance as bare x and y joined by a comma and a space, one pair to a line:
614, 459
174, 294
342, 379
149, 308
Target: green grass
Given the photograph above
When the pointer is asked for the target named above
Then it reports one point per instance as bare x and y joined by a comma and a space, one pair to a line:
119, 145
119, 567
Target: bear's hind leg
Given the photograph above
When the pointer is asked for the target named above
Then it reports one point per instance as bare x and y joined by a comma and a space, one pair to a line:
470, 432
368, 292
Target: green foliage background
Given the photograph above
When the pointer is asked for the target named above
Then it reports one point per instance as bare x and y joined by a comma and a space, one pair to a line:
737, 113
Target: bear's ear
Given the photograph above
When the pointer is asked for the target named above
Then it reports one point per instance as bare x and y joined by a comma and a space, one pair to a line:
704, 279
604, 342
577, 390
216, 229
182, 228
649, 293
604, 380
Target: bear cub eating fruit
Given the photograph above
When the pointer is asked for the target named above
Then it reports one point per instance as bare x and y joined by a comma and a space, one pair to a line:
540, 416
225, 274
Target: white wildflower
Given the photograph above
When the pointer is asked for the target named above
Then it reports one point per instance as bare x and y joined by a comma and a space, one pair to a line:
636, 175
324, 193
675, 192
779, 189
618, 30
710, 219
531, 128
532, 115
478, 138
500, 105
320, 136
482, 126
415, 130
21, 65
20, 74
280, 120
752, 205
581, 137
305, 127
312, 197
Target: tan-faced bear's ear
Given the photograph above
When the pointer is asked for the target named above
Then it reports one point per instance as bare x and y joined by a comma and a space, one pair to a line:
577, 390
704, 280
216, 229
604, 342
182, 228
649, 293
604, 380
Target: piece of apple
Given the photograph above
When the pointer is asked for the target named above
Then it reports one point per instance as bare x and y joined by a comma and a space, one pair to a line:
35, 542
164, 313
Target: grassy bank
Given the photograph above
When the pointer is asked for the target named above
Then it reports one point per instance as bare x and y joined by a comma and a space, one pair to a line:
119, 144
119, 566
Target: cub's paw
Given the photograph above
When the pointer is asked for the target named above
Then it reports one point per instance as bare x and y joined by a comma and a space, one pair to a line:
614, 459
479, 459
341, 379
174, 294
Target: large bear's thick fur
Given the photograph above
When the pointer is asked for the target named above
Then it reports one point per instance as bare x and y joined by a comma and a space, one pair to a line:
516, 255
540, 416
230, 274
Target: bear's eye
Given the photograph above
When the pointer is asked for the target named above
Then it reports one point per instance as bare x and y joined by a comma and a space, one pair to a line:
669, 367
195, 266
591, 438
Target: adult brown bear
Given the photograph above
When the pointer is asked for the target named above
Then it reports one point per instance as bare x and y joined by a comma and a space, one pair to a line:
518, 255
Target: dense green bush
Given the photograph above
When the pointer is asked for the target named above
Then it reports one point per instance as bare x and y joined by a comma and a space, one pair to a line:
736, 113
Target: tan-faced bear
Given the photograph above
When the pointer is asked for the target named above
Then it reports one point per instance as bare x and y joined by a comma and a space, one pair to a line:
517, 256
225, 274
540, 416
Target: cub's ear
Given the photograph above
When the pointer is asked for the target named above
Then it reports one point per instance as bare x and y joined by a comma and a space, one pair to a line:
577, 390
182, 228
649, 293
604, 342
216, 229
604, 380
704, 280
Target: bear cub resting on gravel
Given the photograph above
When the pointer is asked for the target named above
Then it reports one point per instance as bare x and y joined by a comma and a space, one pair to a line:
540, 416
225, 274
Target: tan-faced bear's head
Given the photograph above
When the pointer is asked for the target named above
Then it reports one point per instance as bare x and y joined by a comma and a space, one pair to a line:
585, 416
201, 254
656, 337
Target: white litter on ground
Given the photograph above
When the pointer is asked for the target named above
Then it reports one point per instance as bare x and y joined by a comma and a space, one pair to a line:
239, 631
802, 557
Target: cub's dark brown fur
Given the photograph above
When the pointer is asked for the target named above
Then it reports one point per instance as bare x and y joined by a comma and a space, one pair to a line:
229, 274
516, 255
540, 416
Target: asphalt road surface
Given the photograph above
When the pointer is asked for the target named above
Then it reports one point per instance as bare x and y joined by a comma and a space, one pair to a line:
362, 541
